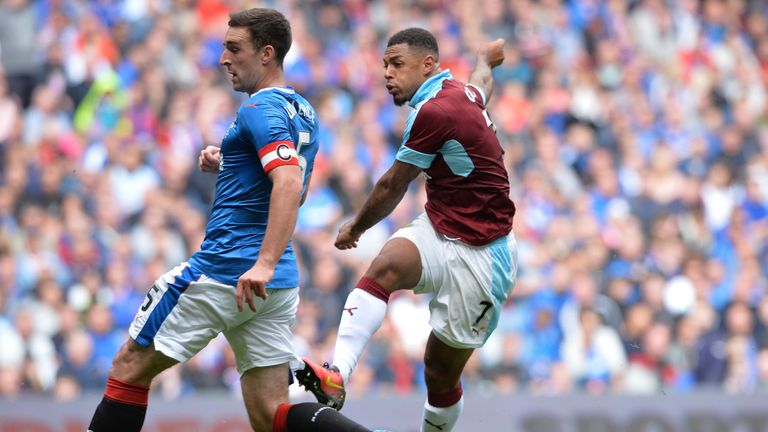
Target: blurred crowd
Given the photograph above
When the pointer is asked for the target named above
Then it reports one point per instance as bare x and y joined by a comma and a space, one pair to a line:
636, 137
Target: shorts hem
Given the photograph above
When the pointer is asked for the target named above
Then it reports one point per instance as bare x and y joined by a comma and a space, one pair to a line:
139, 339
455, 344
170, 352
291, 361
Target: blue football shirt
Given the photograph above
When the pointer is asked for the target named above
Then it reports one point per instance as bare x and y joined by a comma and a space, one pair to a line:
273, 127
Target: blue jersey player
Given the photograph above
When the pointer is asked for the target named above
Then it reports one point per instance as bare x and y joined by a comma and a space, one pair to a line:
264, 165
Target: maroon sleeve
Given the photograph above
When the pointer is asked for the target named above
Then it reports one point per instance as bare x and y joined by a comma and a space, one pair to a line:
429, 129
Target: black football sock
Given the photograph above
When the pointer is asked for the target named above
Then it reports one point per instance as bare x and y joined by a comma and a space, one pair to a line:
313, 417
117, 416
122, 409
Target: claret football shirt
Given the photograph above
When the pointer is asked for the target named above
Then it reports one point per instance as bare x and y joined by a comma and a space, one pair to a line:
451, 137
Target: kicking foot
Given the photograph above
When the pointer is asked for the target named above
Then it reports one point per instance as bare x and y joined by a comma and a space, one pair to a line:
324, 382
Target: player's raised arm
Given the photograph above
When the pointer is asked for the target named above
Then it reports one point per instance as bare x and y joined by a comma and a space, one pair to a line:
489, 56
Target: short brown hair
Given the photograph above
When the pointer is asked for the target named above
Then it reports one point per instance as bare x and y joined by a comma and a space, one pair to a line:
267, 27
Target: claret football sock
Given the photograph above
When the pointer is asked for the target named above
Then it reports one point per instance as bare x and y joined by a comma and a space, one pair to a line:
363, 314
122, 409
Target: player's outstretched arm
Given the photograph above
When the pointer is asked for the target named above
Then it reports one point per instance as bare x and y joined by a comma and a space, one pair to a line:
489, 56
387, 193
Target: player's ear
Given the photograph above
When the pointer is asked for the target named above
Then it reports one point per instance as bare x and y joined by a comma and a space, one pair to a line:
267, 54
429, 64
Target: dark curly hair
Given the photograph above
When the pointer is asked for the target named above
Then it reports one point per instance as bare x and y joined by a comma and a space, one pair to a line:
416, 37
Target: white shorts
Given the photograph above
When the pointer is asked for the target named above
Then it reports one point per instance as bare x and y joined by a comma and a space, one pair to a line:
184, 310
470, 283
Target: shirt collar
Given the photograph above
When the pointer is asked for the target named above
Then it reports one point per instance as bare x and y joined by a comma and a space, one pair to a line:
288, 90
428, 87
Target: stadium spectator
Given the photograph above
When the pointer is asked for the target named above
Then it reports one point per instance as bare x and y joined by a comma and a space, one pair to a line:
593, 353
649, 370
19, 21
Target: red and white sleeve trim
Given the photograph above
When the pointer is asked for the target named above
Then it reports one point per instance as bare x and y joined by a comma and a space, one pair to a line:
277, 154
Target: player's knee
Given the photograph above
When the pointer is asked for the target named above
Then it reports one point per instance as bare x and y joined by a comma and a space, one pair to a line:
121, 364
132, 365
384, 270
394, 271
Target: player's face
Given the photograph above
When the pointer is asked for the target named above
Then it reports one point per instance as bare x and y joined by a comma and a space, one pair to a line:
241, 59
405, 70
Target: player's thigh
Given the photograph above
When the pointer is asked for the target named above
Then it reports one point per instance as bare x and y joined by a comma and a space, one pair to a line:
264, 389
397, 266
475, 284
183, 312
265, 339
411, 259
137, 364
443, 364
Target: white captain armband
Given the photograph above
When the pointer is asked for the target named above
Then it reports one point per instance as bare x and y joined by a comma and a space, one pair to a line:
277, 154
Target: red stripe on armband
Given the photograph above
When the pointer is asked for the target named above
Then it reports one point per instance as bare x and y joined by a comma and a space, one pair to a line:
277, 162
272, 147
277, 154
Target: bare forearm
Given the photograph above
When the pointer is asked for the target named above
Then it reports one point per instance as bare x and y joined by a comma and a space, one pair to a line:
482, 78
489, 56
380, 203
283, 211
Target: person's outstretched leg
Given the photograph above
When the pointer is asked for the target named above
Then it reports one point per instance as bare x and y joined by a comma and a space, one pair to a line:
364, 311
442, 372
398, 266
124, 405
363, 314
314, 417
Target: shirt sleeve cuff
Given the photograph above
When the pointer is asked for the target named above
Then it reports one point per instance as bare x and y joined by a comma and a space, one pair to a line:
482, 93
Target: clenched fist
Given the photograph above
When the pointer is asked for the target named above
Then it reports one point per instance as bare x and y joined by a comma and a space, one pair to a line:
209, 159
492, 53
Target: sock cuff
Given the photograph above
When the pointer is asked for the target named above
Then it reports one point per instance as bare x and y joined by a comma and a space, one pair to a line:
373, 288
444, 400
280, 421
127, 393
